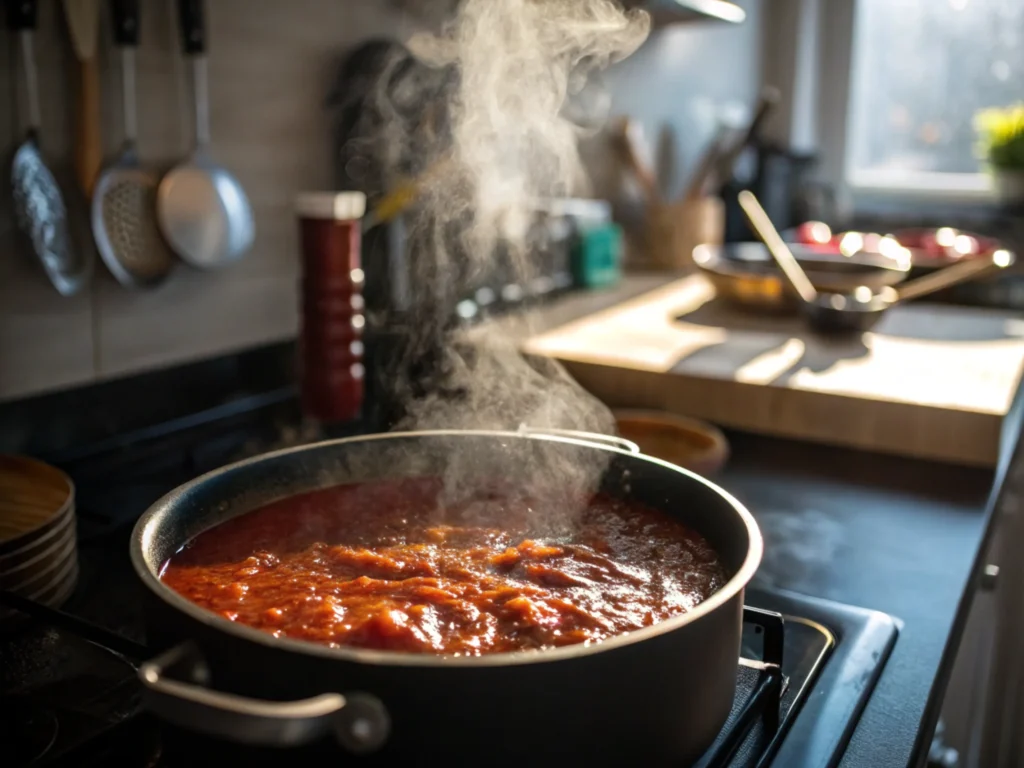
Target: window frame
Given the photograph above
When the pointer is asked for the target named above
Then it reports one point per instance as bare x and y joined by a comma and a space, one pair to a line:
873, 193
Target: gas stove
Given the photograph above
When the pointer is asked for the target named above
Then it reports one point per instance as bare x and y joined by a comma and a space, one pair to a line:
68, 685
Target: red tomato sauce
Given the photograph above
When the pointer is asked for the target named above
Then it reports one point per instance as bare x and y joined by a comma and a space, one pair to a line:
385, 566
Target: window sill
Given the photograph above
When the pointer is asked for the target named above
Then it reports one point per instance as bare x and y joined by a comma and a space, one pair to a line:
972, 189
958, 204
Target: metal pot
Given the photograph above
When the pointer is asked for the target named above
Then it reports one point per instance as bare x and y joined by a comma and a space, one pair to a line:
662, 693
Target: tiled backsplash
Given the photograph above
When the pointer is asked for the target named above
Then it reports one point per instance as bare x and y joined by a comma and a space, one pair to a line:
683, 80
272, 64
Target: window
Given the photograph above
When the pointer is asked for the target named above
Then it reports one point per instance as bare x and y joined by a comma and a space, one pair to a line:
919, 71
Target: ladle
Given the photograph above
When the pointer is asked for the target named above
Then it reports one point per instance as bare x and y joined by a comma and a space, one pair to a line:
202, 209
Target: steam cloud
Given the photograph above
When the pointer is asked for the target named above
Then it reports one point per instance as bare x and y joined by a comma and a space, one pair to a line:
517, 62
494, 144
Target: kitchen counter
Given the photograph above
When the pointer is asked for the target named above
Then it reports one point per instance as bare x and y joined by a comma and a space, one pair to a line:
895, 535
571, 306
892, 534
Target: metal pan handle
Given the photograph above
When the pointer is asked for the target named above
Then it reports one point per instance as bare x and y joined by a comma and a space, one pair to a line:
587, 437
358, 721
960, 272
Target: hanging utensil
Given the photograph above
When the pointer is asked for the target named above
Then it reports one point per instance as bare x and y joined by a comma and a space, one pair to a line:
707, 165
39, 205
727, 159
405, 193
202, 209
861, 309
124, 204
83, 17
628, 140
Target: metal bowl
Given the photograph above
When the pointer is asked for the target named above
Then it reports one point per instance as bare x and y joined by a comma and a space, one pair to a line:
746, 274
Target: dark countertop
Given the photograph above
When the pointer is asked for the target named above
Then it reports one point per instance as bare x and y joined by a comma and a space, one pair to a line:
892, 534
895, 535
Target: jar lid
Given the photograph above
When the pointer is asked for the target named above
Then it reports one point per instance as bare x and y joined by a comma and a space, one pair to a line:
340, 206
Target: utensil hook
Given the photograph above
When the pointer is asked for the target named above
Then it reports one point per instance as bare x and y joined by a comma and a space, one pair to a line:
131, 127
28, 57
201, 87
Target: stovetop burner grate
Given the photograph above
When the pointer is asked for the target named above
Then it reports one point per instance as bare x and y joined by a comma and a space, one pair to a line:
760, 687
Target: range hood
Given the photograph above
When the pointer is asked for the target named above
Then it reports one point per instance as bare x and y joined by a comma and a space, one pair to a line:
667, 11
662, 11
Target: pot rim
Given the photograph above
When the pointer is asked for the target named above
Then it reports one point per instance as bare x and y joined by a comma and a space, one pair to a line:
143, 533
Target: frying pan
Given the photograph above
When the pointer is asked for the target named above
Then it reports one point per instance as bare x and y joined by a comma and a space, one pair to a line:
862, 308
745, 274
664, 691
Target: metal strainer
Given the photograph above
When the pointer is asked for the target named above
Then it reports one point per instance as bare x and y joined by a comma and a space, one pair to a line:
124, 202
38, 203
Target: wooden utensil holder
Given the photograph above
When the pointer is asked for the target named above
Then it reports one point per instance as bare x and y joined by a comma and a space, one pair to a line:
675, 229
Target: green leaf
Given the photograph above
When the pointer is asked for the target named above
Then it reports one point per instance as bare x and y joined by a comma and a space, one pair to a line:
1001, 136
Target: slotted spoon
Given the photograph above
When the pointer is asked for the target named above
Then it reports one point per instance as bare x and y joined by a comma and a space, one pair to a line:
124, 220
39, 206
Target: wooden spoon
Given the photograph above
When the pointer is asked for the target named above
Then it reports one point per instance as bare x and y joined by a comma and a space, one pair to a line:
83, 18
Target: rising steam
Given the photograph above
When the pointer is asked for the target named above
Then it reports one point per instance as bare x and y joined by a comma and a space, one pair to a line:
517, 62
494, 144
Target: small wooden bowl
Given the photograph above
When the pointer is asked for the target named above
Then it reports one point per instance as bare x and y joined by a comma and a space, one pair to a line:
689, 443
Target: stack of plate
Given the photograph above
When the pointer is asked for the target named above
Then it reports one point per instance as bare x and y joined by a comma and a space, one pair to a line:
38, 555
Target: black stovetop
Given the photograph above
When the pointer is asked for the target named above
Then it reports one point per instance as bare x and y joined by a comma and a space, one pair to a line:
66, 701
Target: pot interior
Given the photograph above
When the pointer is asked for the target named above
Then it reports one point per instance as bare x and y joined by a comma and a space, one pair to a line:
464, 460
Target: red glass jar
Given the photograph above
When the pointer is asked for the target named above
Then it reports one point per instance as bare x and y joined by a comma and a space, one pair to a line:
331, 368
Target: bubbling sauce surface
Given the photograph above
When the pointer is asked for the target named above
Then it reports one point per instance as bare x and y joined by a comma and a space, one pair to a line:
381, 565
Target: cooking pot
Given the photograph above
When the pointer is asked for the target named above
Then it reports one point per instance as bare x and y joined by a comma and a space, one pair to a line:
657, 695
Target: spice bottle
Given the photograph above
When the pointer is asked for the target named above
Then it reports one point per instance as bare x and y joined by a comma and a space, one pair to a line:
331, 370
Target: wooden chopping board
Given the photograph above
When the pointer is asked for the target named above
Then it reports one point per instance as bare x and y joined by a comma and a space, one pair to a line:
930, 381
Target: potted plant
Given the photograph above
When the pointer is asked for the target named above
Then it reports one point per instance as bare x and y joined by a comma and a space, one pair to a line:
1001, 131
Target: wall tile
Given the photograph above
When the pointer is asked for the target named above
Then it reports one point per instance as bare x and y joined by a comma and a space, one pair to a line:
45, 339
271, 66
193, 315
682, 79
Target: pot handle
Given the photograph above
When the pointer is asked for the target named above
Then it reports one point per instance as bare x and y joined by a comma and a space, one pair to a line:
358, 721
587, 437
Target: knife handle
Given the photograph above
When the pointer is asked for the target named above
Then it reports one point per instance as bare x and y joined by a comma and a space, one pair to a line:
21, 14
193, 27
125, 14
